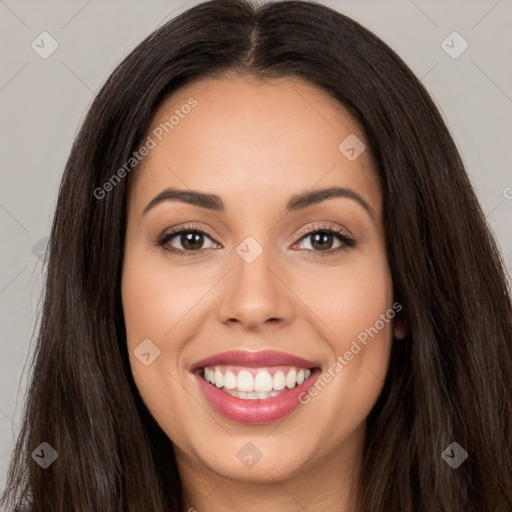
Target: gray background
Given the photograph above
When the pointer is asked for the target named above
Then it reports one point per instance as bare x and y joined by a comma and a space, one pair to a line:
43, 101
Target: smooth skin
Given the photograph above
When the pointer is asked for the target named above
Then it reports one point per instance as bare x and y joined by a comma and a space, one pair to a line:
256, 144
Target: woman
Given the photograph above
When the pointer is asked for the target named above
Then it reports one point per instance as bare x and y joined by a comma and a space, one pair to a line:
270, 286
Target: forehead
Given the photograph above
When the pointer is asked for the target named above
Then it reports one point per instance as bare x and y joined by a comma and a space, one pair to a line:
262, 139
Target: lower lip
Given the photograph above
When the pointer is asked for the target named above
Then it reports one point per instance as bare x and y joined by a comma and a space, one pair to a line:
258, 411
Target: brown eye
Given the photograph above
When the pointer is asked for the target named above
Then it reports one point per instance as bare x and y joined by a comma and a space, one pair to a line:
192, 241
186, 241
324, 241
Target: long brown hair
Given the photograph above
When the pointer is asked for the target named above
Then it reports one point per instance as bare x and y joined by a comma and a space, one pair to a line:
449, 381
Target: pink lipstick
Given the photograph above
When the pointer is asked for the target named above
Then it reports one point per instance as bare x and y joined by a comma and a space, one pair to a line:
254, 387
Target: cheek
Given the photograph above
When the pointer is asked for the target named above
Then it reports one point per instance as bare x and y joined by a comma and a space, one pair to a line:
155, 296
154, 301
354, 304
348, 298
162, 302
151, 308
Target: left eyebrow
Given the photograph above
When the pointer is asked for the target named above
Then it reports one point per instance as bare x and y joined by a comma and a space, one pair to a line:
304, 200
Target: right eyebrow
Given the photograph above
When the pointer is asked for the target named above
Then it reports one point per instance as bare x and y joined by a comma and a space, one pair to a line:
201, 199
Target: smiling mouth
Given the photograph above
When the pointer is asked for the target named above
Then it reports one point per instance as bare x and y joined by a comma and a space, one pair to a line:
250, 383
254, 387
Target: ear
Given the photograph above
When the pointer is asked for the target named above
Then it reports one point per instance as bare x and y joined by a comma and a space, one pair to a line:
400, 330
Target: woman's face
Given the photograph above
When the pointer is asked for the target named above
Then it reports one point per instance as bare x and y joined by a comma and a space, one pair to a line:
272, 289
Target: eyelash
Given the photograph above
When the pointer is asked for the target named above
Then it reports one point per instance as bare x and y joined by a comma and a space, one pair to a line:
347, 242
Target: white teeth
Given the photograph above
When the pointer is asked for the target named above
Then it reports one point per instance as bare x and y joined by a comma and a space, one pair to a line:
278, 381
291, 379
245, 381
262, 385
219, 378
230, 380
252, 395
263, 382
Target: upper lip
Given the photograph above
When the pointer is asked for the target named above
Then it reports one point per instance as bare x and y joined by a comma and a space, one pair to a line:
254, 359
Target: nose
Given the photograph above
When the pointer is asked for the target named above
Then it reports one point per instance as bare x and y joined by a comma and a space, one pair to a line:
255, 295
